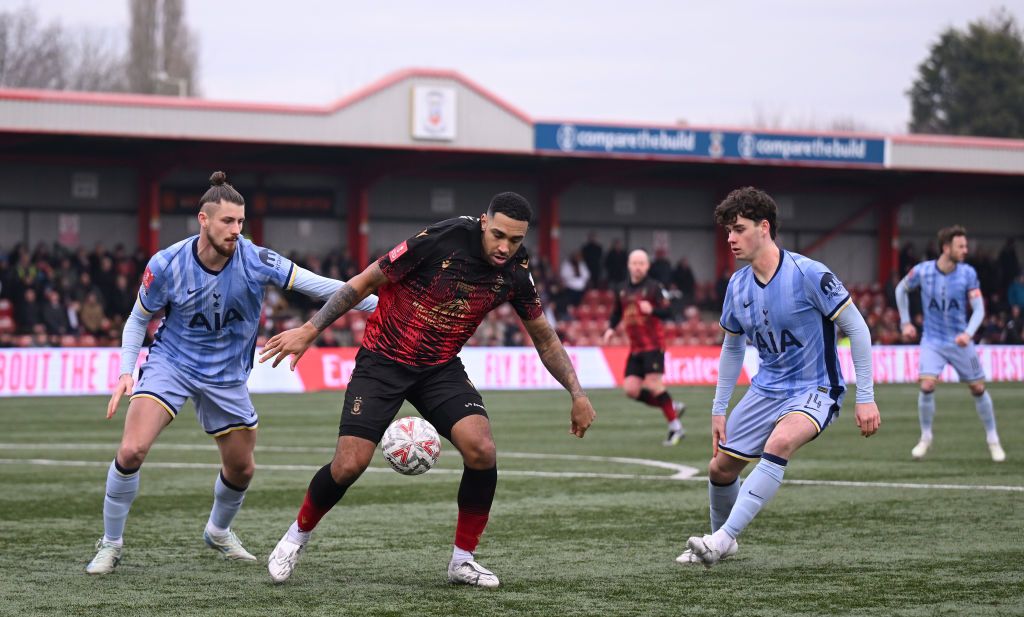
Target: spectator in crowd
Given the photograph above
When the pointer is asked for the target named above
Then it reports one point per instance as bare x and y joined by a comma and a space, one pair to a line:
71, 309
575, 277
593, 252
6, 275
1015, 295
25, 272
684, 280
122, 299
66, 275
27, 314
92, 316
85, 287
54, 316
615, 264
661, 268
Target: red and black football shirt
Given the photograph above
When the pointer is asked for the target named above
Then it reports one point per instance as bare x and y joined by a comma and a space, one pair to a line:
440, 288
644, 331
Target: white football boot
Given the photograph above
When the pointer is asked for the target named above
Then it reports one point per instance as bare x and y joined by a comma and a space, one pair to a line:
921, 449
997, 452
108, 555
282, 561
705, 549
689, 558
228, 545
471, 573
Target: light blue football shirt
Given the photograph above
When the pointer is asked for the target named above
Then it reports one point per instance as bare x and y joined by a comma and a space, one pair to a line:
209, 329
789, 320
944, 299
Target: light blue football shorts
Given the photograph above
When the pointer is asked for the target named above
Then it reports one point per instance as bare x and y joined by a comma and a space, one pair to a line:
752, 420
933, 358
219, 409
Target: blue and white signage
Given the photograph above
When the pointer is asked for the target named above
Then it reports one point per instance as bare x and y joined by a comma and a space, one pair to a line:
712, 145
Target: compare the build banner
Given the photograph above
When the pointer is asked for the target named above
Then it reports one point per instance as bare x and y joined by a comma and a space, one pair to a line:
710, 144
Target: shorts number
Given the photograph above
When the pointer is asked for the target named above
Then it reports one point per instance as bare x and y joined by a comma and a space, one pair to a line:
812, 399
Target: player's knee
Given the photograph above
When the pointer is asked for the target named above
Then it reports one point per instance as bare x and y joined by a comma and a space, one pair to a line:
241, 473
927, 386
977, 389
347, 469
722, 474
781, 445
632, 392
131, 454
481, 454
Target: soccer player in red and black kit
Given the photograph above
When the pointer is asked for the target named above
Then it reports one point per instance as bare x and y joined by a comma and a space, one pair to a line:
641, 304
435, 289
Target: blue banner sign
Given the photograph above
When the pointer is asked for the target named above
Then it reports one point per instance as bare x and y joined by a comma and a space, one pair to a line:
712, 145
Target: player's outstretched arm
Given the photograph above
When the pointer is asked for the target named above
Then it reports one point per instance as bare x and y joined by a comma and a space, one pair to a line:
556, 360
296, 341
132, 336
730, 364
322, 288
866, 413
903, 306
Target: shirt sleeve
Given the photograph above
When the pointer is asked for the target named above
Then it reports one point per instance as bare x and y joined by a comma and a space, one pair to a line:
153, 293
403, 259
729, 322
270, 268
912, 280
973, 284
825, 291
525, 299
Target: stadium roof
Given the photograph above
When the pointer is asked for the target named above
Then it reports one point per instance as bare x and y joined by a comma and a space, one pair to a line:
442, 110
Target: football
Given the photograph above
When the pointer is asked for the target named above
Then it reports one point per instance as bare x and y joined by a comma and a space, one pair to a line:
411, 445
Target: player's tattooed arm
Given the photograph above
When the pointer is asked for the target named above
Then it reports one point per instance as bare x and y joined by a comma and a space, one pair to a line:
553, 355
349, 295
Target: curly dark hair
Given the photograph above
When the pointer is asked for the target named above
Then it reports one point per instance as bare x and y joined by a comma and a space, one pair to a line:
512, 205
220, 190
750, 203
946, 234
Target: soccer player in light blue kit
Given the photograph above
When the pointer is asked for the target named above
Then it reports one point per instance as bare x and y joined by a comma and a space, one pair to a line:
947, 286
211, 288
788, 306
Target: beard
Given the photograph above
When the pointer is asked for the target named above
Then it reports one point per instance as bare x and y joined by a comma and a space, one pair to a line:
224, 250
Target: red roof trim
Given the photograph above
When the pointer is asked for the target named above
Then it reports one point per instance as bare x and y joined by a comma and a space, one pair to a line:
147, 100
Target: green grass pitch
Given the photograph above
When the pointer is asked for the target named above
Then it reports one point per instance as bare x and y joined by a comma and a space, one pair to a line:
570, 534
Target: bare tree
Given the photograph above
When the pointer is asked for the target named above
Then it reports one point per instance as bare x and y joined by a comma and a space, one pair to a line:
142, 47
162, 50
180, 48
161, 56
31, 55
96, 63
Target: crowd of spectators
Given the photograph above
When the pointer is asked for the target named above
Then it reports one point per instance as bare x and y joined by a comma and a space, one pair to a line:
54, 296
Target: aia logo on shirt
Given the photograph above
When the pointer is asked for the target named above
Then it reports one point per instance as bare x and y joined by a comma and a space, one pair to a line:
398, 251
147, 278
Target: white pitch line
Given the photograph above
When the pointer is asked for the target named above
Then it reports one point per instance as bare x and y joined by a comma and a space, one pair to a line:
681, 471
436, 471
539, 474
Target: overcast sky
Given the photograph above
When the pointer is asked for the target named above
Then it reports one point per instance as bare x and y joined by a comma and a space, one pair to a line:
729, 63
